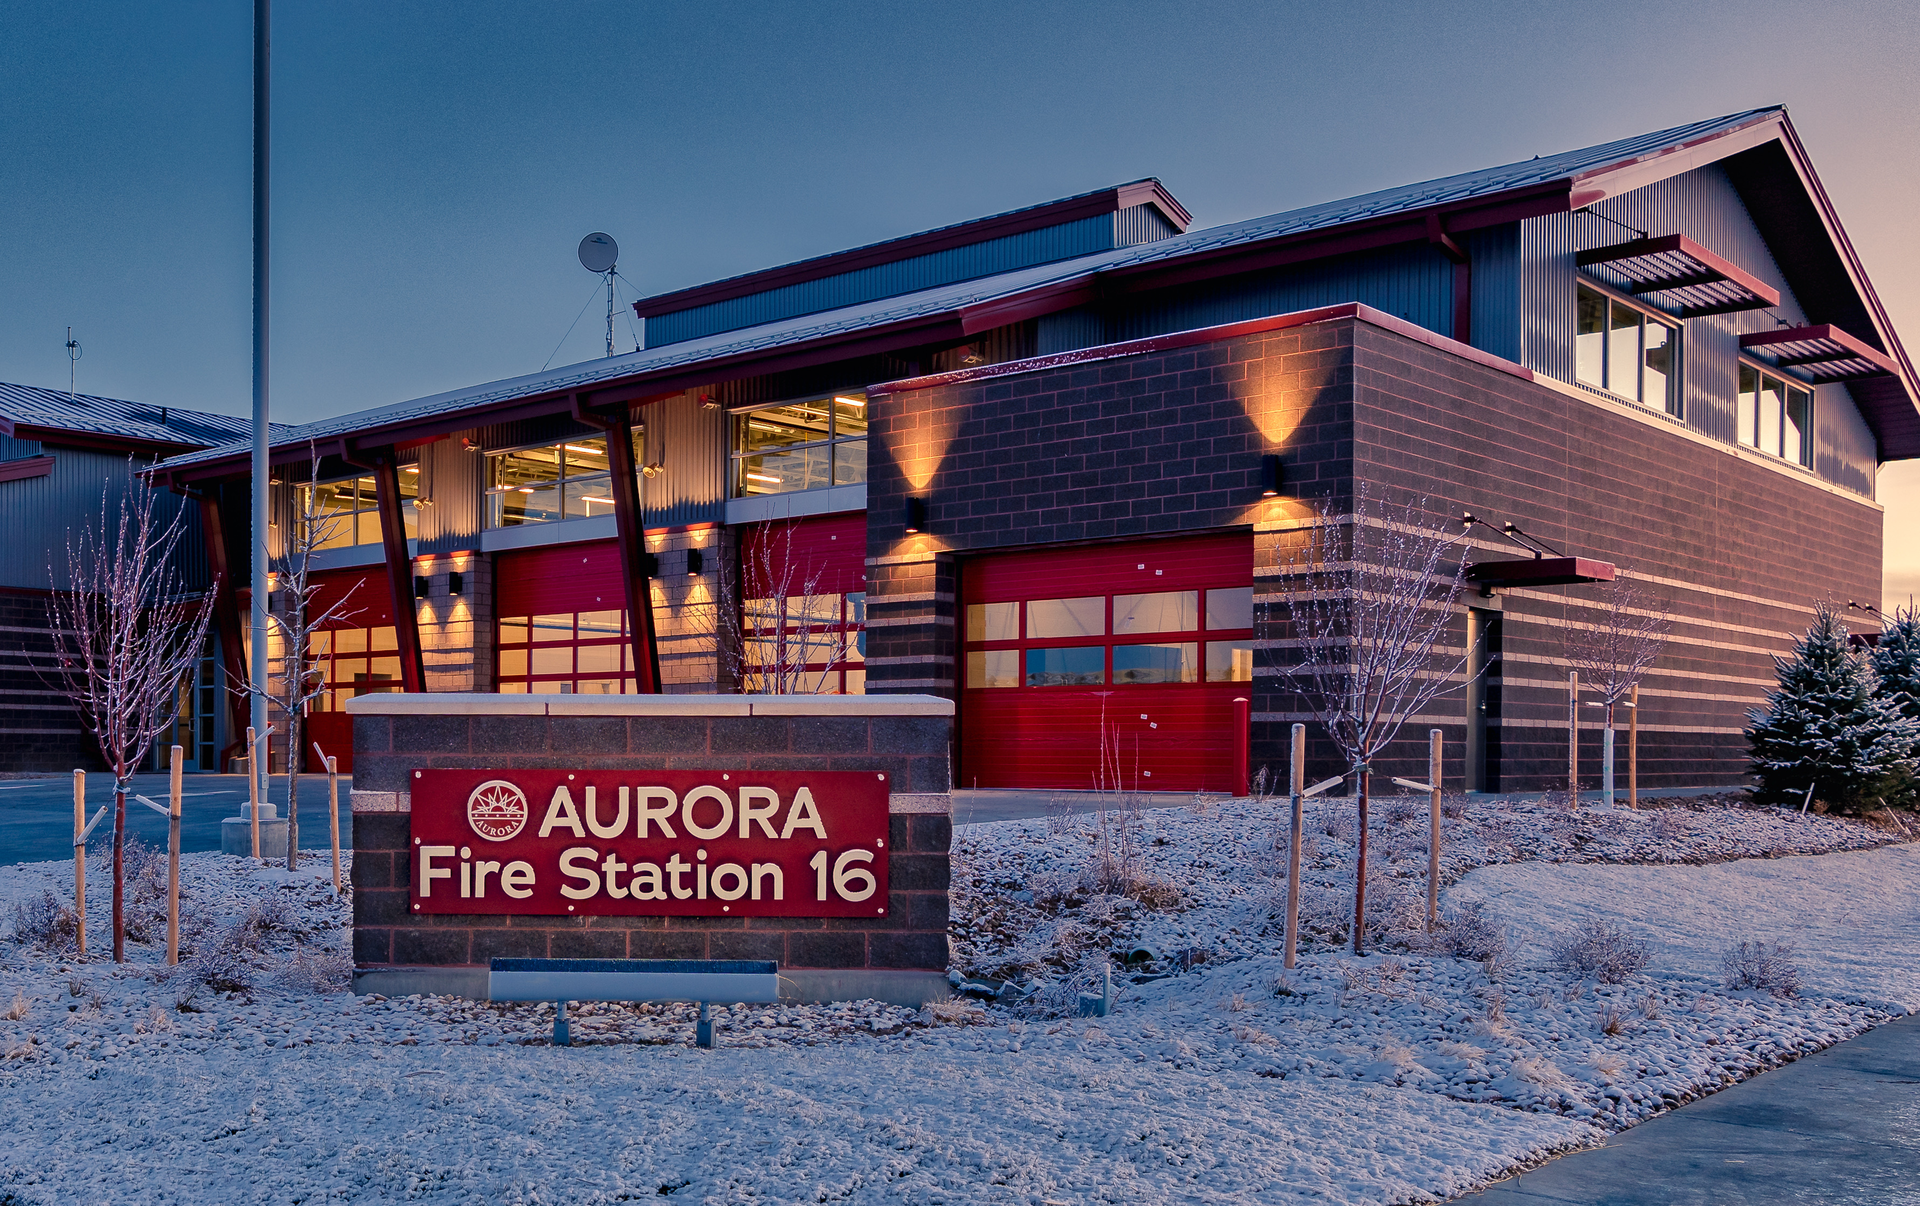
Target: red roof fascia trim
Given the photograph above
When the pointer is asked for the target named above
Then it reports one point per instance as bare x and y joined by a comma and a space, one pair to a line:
22, 468
1106, 201
1613, 179
68, 438
1680, 243
1203, 335
1827, 331
638, 391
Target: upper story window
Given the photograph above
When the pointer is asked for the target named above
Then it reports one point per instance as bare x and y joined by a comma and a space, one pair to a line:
801, 445
1776, 416
554, 482
346, 512
1627, 351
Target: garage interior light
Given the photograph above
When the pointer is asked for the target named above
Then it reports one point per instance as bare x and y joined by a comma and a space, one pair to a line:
916, 514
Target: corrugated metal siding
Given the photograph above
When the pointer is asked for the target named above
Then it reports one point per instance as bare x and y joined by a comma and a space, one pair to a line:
1414, 282
42, 514
1495, 253
455, 479
1062, 242
1844, 450
1137, 224
12, 449
1704, 206
1068, 331
694, 446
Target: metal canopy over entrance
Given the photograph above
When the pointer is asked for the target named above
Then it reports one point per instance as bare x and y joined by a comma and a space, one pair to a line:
1822, 353
1696, 281
1540, 571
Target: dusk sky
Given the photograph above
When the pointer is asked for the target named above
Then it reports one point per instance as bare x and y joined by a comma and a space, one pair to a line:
435, 165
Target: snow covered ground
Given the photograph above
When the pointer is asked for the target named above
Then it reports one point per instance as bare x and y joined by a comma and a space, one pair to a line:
1408, 1075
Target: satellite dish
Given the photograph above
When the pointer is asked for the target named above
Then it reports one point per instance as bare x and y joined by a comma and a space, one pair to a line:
598, 252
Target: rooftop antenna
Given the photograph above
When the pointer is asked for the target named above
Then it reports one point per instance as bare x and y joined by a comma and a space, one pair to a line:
73, 358
599, 253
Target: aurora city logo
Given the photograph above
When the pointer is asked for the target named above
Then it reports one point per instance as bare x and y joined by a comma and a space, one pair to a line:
497, 810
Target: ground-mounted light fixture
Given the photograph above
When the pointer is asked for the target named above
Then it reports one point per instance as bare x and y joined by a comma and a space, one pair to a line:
916, 514
456, 583
1270, 475
695, 560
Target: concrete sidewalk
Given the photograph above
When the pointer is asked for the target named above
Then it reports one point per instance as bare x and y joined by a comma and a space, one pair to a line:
1842, 1126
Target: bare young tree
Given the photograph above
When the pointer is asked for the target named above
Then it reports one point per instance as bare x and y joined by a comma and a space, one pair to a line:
788, 633
127, 633
294, 681
1613, 655
1370, 597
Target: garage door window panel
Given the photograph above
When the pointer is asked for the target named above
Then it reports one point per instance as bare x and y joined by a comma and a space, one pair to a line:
1067, 666
1156, 663
1066, 619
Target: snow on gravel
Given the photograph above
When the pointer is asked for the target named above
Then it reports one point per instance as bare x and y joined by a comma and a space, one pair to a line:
1404, 1076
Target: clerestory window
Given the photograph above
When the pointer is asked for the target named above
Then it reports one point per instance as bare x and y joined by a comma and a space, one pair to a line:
1627, 351
1776, 415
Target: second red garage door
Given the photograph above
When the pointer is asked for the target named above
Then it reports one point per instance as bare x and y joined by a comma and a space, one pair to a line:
1104, 666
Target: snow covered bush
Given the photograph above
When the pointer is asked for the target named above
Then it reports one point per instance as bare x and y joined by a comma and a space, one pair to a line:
317, 971
44, 921
1767, 966
1827, 728
1468, 933
1602, 950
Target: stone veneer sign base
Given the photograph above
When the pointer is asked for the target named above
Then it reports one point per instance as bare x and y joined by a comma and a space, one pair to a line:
898, 956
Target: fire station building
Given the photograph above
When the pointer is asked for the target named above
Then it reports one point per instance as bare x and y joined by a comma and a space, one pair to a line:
1028, 462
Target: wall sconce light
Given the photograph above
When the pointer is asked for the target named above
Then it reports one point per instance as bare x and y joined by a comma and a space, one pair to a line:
1270, 475
421, 587
456, 583
709, 402
694, 562
916, 514
649, 565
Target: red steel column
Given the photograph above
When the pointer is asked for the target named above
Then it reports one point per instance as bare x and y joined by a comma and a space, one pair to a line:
1242, 743
630, 522
393, 535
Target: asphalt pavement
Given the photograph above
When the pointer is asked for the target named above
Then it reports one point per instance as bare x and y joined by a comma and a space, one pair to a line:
1840, 1127
36, 815
981, 805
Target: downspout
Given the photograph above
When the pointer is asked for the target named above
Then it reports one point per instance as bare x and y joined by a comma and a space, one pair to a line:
1462, 277
393, 537
630, 523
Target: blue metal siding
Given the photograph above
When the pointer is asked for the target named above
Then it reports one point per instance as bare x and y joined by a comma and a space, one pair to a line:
41, 515
1414, 282
1495, 253
1062, 242
1704, 206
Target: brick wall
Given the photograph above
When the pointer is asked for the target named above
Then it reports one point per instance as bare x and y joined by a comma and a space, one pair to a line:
907, 739
1123, 444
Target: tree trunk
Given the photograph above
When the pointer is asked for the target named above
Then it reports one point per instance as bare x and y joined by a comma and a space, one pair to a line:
293, 789
1360, 866
119, 848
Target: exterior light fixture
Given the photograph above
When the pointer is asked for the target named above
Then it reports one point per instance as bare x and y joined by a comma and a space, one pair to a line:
649, 565
456, 583
709, 402
694, 562
421, 587
916, 514
1270, 475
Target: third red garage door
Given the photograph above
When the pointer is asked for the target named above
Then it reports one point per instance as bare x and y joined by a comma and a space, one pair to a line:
1137, 650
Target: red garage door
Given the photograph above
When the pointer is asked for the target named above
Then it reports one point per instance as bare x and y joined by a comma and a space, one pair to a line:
1083, 666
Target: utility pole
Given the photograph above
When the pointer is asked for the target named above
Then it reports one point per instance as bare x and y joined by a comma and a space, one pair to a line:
257, 671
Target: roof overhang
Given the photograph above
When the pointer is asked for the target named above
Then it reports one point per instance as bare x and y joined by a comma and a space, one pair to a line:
1540, 571
1696, 281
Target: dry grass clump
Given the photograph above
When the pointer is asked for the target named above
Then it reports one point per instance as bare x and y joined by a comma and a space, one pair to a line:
1610, 1021
231, 961
317, 971
1468, 933
1767, 966
1602, 950
18, 1009
954, 1011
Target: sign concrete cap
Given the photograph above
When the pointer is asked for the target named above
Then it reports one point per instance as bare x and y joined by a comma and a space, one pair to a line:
395, 703
646, 705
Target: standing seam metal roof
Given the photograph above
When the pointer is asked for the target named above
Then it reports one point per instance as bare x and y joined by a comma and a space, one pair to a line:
1465, 186
34, 406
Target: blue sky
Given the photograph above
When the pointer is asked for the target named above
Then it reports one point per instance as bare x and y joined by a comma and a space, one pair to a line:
435, 165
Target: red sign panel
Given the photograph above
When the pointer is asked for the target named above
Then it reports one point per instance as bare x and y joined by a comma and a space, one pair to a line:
641, 843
